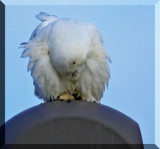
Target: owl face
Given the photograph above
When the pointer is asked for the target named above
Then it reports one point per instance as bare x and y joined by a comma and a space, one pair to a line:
71, 70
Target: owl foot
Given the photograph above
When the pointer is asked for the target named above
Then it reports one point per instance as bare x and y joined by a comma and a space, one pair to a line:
77, 96
65, 96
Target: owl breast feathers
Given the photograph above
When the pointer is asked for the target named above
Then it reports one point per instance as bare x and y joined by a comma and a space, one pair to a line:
67, 60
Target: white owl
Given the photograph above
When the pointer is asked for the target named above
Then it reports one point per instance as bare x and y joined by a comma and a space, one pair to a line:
67, 60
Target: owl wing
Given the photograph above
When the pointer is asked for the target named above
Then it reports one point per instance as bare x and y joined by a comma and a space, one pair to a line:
97, 72
45, 77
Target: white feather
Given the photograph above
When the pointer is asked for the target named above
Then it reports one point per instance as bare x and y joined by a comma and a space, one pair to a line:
46, 19
67, 56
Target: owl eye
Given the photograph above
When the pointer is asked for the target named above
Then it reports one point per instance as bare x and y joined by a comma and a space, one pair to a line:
74, 63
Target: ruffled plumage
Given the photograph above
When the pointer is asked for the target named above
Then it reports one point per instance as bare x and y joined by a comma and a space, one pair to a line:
67, 56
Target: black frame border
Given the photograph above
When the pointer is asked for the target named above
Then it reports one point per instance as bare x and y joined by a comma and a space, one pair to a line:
2, 73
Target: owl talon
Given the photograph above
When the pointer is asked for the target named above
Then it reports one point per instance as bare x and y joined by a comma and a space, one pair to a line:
65, 96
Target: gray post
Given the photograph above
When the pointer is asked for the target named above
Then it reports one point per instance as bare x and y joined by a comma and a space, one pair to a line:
75, 122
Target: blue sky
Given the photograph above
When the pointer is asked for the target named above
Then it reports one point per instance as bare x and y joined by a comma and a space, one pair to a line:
128, 34
80, 2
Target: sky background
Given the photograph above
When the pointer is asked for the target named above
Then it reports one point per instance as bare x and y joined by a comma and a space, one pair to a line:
128, 34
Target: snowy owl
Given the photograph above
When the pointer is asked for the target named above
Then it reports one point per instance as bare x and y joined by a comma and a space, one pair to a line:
67, 60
